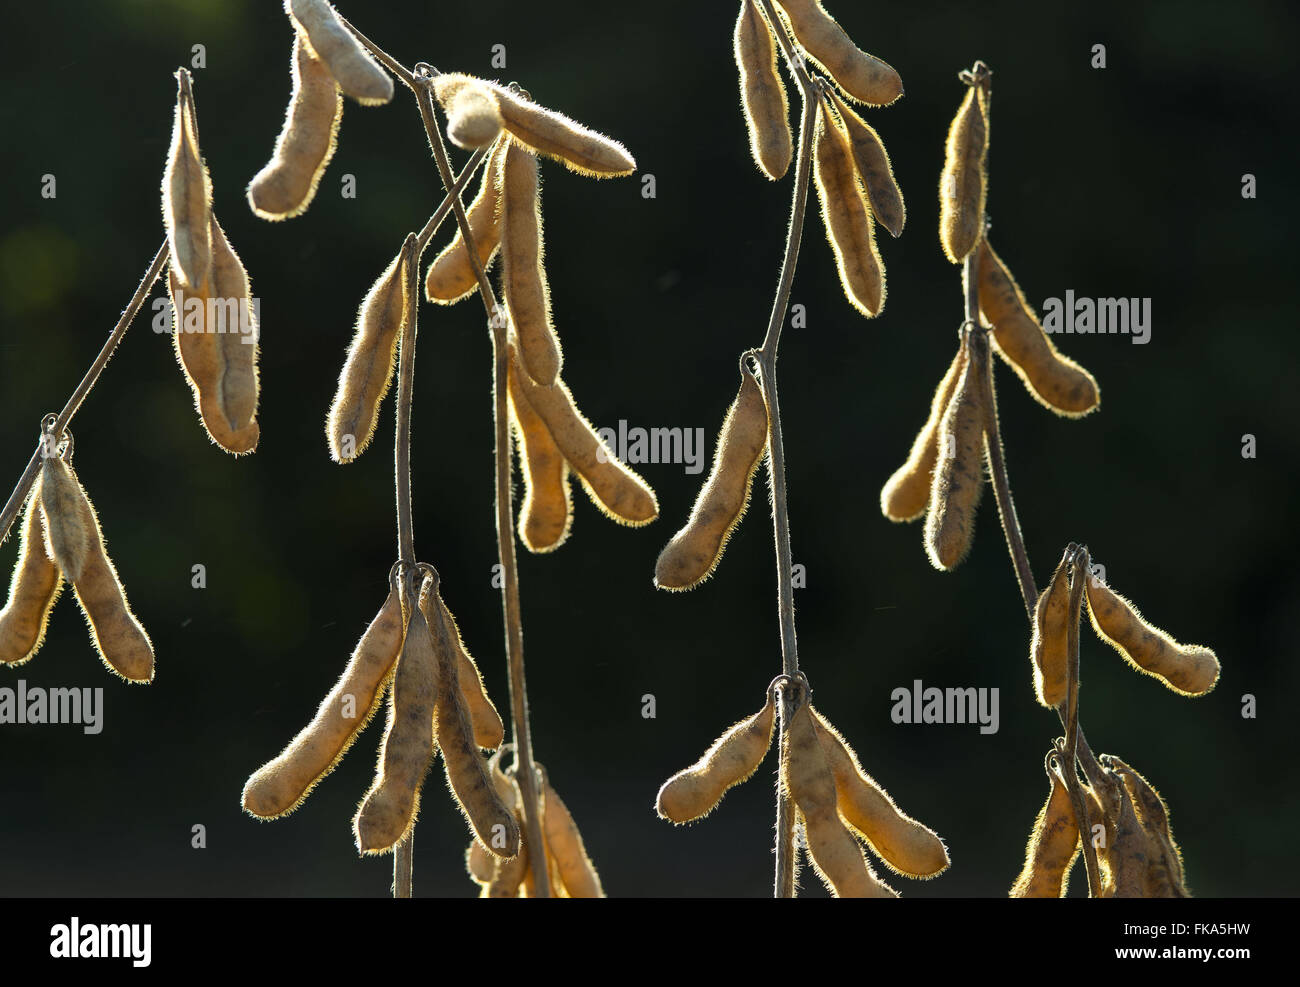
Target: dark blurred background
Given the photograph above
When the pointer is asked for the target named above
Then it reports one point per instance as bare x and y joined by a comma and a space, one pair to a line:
1117, 182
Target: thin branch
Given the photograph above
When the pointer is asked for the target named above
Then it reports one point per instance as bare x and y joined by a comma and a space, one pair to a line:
1078, 573
24, 486
391, 63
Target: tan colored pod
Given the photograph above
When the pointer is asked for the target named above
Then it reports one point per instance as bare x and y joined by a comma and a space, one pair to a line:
368, 370
696, 791
282, 784
577, 873
554, 135
905, 845
1165, 876
963, 184
1052, 848
485, 722
1055, 381
619, 492
390, 808
122, 643
285, 187
874, 168
546, 512
1123, 861
357, 73
507, 879
836, 855
958, 480
215, 335
187, 195
762, 93
1049, 646
523, 273
479, 864
451, 276
694, 552
906, 494
473, 117
847, 217
1188, 669
864, 77
33, 591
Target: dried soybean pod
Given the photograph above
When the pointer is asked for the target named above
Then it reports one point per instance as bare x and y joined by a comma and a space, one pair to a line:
33, 591
523, 274
872, 161
493, 824
1165, 877
958, 480
237, 386
451, 277
836, 855
619, 493
546, 512
847, 218
762, 94
1052, 848
285, 187
1124, 862
1055, 381
693, 553
282, 784
357, 73
864, 77
907, 493
1188, 669
485, 721
368, 370
696, 791
473, 119
67, 534
389, 809
1048, 646
905, 845
121, 642
187, 195
577, 872
964, 184
547, 132
479, 864
508, 875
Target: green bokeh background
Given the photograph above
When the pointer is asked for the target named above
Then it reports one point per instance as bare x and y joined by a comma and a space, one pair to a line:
1117, 182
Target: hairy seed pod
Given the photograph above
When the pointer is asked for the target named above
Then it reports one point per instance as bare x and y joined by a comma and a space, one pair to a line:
485, 722
1052, 848
357, 73
285, 187
1188, 669
283, 784
1049, 647
577, 873
33, 591
473, 117
390, 807
523, 274
546, 512
1165, 877
696, 791
1055, 381
451, 277
905, 845
619, 493
847, 217
491, 821
907, 493
836, 855
694, 552
762, 94
964, 182
479, 864
122, 643
368, 370
958, 480
872, 161
864, 77
508, 875
554, 135
215, 337
187, 195
1123, 861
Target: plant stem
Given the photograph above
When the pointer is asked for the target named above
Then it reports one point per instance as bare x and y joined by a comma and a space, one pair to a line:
525, 771
1078, 573
391, 63
24, 486
784, 881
